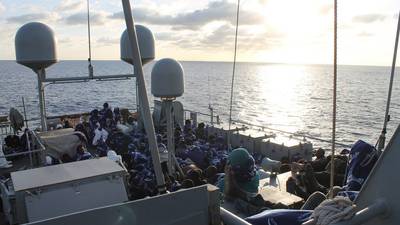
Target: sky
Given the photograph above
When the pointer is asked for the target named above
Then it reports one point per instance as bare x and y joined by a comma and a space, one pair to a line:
281, 31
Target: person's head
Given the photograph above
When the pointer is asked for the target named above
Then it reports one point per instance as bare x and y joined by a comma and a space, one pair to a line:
241, 165
194, 174
94, 113
211, 139
116, 110
320, 153
210, 172
80, 149
188, 123
105, 105
187, 183
130, 120
201, 126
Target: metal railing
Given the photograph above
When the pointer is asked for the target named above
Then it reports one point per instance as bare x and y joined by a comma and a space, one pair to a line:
29, 151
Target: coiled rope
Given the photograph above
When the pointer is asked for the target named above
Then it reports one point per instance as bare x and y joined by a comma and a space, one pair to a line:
334, 210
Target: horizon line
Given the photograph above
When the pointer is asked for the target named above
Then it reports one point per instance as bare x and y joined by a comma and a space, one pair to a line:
218, 61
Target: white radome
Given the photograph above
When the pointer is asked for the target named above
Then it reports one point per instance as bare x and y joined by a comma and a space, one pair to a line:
35, 46
167, 79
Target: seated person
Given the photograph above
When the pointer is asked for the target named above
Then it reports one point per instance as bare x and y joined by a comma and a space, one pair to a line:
320, 162
200, 131
241, 177
82, 153
99, 134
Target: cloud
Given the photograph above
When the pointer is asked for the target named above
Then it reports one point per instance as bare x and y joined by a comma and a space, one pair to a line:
222, 38
70, 6
369, 18
215, 11
106, 41
2, 7
46, 17
365, 34
96, 18
325, 9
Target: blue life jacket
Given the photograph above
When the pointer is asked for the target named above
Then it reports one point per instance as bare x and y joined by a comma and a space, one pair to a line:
362, 159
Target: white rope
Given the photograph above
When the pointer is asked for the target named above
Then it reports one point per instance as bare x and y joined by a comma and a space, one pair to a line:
334, 210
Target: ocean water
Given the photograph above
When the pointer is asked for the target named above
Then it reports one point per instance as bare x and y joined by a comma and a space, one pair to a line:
294, 98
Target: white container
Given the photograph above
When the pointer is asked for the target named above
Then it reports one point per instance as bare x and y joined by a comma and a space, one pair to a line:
57, 190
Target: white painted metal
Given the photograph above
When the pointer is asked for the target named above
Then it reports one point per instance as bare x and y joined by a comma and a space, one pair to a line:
184, 207
35, 46
146, 45
167, 79
57, 190
170, 137
144, 102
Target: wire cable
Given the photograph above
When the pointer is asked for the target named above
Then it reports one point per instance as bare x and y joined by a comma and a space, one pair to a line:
233, 74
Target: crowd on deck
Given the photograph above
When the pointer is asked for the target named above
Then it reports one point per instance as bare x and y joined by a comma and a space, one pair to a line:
205, 158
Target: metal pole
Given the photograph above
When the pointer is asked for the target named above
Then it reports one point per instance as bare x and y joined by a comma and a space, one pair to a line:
26, 119
28, 142
41, 76
145, 107
170, 137
334, 99
382, 137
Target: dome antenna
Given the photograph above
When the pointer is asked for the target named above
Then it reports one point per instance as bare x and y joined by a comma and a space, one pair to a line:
35, 47
167, 82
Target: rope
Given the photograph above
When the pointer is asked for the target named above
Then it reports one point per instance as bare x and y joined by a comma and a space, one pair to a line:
382, 137
233, 74
334, 97
334, 210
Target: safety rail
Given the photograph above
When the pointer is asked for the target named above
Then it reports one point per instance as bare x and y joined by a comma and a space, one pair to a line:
290, 133
210, 115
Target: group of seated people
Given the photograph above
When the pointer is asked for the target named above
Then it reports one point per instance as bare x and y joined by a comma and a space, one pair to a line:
205, 158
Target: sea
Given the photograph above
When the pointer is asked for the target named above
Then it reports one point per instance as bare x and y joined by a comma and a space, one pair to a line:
291, 98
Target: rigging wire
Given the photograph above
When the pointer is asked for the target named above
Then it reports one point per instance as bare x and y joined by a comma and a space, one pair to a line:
334, 98
233, 74
382, 137
90, 67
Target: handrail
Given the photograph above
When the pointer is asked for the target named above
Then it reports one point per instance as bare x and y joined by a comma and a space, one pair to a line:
291, 133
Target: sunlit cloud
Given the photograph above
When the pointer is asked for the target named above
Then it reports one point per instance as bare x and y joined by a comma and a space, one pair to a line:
269, 30
215, 11
70, 6
96, 18
370, 18
2, 7
24, 18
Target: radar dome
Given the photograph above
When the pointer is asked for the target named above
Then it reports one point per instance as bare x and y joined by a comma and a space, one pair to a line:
35, 46
167, 79
146, 45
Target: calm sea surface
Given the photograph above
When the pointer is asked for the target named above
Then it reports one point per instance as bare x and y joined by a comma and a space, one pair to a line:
294, 98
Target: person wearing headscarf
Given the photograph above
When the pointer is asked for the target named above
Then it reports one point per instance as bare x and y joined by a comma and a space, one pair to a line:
241, 177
